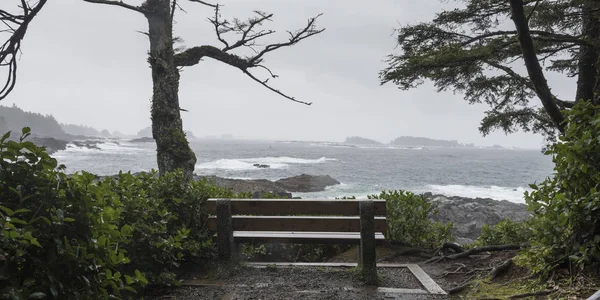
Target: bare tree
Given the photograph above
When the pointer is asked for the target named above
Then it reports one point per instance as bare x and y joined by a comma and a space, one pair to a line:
173, 150
14, 27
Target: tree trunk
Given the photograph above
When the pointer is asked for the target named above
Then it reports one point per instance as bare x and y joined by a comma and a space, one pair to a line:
172, 149
589, 55
534, 69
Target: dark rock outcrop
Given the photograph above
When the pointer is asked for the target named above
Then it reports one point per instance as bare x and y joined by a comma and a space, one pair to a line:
52, 145
90, 144
469, 215
257, 187
142, 140
282, 187
261, 166
306, 183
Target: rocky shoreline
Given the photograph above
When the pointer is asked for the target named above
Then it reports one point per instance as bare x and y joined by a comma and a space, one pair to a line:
283, 187
468, 215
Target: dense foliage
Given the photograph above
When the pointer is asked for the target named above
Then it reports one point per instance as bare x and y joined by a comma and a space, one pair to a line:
408, 222
78, 237
505, 232
472, 47
565, 223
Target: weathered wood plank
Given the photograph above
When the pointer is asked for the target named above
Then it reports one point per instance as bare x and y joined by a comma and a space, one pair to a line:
342, 207
302, 237
299, 223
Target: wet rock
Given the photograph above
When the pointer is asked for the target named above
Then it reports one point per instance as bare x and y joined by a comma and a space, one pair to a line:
142, 140
306, 183
90, 144
52, 145
469, 215
261, 166
282, 188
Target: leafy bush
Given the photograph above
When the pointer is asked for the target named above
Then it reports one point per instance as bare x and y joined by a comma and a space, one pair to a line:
167, 220
408, 223
80, 237
60, 236
505, 232
565, 223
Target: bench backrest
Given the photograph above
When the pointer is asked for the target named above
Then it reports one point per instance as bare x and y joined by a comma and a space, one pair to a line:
297, 215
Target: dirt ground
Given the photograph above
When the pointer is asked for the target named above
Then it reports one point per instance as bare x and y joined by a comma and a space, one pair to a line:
338, 282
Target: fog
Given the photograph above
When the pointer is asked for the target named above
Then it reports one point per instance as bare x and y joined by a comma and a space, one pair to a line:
86, 64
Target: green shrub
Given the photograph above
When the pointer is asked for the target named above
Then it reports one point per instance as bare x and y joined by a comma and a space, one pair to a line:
505, 232
60, 236
168, 217
566, 207
408, 223
78, 237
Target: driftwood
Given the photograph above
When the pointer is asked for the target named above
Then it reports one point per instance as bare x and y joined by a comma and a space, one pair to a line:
476, 250
500, 269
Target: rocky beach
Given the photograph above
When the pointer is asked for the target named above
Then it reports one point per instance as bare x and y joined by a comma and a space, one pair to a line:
468, 215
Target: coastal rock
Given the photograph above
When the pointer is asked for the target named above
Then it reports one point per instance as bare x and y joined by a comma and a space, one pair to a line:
281, 188
52, 145
142, 140
261, 166
90, 144
257, 187
469, 215
306, 183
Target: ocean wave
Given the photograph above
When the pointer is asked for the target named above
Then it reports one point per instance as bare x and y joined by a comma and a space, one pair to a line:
248, 163
513, 194
100, 147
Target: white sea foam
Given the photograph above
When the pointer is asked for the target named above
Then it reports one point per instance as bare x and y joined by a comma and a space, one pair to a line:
248, 163
102, 147
513, 194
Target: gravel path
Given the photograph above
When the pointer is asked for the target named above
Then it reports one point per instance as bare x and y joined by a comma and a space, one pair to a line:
303, 283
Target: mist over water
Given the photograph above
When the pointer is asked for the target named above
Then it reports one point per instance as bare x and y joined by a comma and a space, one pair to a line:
500, 174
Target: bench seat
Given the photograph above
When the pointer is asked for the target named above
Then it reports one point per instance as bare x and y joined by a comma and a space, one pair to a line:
302, 237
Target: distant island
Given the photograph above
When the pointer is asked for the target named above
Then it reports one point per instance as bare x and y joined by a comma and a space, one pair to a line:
357, 140
413, 141
421, 141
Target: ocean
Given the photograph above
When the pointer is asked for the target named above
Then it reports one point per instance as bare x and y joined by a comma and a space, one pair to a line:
501, 174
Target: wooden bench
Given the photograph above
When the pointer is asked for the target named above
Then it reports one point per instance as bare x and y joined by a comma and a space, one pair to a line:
360, 222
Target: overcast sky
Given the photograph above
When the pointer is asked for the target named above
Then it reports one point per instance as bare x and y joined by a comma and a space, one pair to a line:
86, 64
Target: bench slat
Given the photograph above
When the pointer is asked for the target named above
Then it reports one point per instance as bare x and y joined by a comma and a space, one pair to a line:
302, 237
299, 223
342, 207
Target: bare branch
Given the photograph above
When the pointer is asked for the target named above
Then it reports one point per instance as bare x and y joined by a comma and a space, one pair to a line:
12, 46
248, 37
118, 3
220, 26
205, 3
264, 83
296, 37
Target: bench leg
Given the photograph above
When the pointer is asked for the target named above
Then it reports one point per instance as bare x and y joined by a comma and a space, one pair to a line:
224, 230
367, 260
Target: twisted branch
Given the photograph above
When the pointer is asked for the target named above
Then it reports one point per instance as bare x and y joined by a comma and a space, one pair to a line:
16, 26
248, 34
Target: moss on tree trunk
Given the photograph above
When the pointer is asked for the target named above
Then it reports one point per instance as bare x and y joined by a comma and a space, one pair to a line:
172, 148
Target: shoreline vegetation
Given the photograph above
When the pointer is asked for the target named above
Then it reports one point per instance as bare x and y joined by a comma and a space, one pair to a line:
137, 230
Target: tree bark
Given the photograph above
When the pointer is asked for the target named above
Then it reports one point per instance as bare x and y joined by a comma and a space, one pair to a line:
534, 69
172, 148
587, 82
